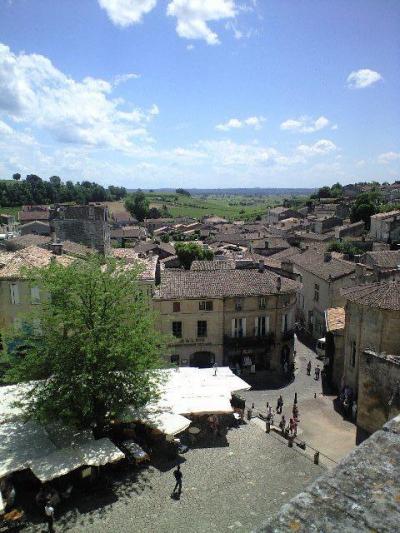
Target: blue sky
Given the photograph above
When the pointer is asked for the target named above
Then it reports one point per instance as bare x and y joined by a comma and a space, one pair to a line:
210, 93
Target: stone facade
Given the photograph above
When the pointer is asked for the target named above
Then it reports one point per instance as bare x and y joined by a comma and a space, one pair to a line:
222, 343
385, 227
84, 224
368, 328
378, 391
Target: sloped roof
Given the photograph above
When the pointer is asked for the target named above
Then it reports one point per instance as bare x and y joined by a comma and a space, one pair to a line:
12, 263
217, 284
381, 295
314, 261
384, 258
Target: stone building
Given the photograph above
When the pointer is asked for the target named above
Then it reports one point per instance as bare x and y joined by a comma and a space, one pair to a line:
378, 391
328, 223
385, 227
372, 323
382, 260
84, 224
335, 318
225, 316
322, 276
276, 214
36, 227
350, 230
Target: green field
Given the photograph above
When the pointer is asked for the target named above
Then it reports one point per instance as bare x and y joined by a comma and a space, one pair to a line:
10, 210
230, 207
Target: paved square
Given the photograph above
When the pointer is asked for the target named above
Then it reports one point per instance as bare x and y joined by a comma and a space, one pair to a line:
230, 488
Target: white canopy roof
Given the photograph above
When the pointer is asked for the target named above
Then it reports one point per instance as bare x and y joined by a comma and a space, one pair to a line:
99, 452
56, 464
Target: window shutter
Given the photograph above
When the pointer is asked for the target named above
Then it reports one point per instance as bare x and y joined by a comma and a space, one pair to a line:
35, 296
233, 327
256, 326
283, 323
267, 324
244, 327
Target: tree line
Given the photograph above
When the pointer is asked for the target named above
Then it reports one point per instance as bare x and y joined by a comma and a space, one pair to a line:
34, 190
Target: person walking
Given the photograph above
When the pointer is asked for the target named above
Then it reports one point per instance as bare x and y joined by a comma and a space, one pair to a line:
178, 478
282, 424
317, 373
309, 368
49, 512
279, 405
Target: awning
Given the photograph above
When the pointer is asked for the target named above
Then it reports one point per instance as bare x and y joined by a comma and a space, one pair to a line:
99, 452
162, 420
56, 464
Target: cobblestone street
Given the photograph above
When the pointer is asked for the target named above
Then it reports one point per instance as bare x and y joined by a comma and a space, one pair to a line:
320, 425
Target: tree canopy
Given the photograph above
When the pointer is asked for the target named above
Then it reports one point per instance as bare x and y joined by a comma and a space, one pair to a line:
137, 205
366, 205
183, 191
33, 190
189, 252
97, 349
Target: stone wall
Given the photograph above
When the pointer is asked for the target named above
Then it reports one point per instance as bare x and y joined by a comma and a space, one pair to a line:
378, 391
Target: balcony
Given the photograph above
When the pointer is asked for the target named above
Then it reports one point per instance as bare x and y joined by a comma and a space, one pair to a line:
249, 341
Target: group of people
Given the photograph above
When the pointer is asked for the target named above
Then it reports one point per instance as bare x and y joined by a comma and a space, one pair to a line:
348, 402
317, 371
48, 498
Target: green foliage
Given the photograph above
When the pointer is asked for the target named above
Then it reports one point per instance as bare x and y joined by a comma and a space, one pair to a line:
366, 205
329, 192
33, 190
189, 252
165, 237
137, 205
98, 349
345, 247
182, 191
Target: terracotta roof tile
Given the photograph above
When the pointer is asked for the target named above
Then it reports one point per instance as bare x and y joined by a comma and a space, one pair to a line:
335, 318
382, 295
217, 284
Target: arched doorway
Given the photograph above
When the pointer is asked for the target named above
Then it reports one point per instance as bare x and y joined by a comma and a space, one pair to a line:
202, 359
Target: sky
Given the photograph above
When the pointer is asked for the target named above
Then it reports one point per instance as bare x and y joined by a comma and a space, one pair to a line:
201, 93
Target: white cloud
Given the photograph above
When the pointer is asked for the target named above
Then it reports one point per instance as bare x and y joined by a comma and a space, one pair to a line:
389, 157
127, 12
33, 91
235, 123
321, 147
122, 78
305, 124
193, 15
359, 79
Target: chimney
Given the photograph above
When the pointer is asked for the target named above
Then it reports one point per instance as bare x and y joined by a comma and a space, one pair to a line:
261, 265
278, 283
327, 257
57, 248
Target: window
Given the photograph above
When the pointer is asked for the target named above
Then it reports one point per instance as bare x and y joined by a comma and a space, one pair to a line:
177, 329
205, 306
353, 354
176, 307
262, 304
175, 359
238, 304
261, 326
14, 293
316, 292
202, 328
35, 295
238, 327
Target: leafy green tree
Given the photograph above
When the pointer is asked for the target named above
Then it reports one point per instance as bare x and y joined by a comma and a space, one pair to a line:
98, 348
345, 247
189, 252
183, 191
366, 205
137, 205
16, 176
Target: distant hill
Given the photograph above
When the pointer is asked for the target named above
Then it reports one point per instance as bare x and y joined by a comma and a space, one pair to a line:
241, 191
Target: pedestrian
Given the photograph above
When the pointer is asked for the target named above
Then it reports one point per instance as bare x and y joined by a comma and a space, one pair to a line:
178, 478
49, 511
282, 424
309, 368
317, 373
291, 426
295, 398
285, 367
215, 366
295, 412
354, 410
279, 405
